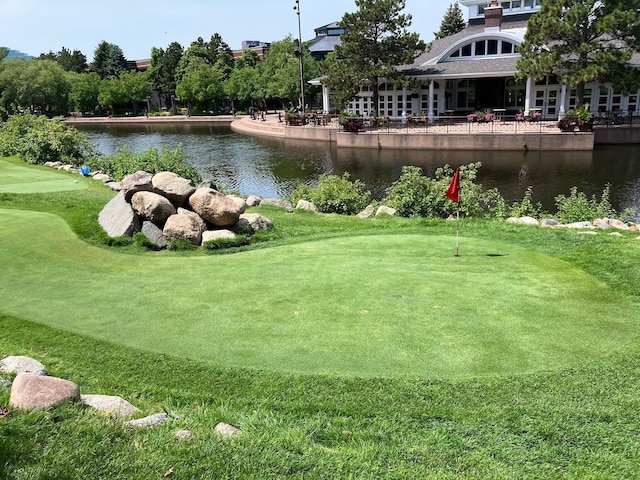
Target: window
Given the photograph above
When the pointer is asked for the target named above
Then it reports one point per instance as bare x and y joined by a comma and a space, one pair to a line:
466, 50
492, 47
480, 48
507, 47
528, 3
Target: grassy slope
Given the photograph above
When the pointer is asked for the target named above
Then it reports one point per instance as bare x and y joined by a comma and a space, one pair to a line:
578, 422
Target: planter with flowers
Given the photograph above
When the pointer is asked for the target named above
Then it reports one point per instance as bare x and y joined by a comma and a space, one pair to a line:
585, 118
481, 116
569, 122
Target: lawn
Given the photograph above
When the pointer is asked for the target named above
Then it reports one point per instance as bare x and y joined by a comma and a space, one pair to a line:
343, 348
19, 177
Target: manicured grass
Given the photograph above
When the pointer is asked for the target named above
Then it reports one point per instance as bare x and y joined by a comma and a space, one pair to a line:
364, 305
517, 360
19, 177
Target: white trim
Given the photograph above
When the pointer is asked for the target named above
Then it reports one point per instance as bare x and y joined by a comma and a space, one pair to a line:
503, 35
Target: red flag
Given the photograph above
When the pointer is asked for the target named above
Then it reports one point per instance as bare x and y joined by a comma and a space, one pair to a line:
454, 188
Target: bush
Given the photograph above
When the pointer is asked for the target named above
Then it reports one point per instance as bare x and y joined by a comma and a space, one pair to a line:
578, 208
335, 194
415, 195
125, 162
524, 208
37, 139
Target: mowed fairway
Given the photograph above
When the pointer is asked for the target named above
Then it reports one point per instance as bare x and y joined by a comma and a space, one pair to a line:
376, 305
18, 177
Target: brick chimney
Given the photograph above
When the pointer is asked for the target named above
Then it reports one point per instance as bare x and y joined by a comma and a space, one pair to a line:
493, 16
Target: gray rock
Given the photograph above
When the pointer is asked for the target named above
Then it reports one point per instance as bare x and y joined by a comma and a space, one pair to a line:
217, 234
214, 207
226, 429
182, 435
153, 420
306, 205
110, 405
184, 226
22, 364
115, 186
384, 210
255, 221
602, 223
367, 212
136, 182
103, 177
240, 202
117, 218
154, 234
152, 206
253, 200
30, 391
277, 202
579, 225
174, 187
549, 222
523, 221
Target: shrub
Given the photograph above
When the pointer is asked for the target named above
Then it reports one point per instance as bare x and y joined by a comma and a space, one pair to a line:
125, 162
525, 207
415, 195
36, 139
335, 194
577, 207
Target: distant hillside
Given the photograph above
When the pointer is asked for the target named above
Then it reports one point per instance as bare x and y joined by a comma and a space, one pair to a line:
18, 54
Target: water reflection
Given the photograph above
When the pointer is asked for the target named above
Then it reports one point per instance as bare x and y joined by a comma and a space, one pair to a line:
274, 167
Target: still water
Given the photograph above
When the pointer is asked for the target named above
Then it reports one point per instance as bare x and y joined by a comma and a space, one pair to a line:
275, 167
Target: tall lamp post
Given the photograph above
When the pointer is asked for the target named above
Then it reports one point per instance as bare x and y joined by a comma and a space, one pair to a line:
299, 54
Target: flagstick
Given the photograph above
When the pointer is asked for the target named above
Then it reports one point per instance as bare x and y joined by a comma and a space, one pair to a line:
458, 232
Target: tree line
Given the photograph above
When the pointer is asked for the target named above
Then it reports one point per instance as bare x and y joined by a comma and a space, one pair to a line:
579, 41
200, 75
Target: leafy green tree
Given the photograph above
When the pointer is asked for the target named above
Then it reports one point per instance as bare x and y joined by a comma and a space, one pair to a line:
39, 85
74, 61
108, 60
127, 90
581, 41
452, 22
163, 68
4, 51
215, 53
243, 82
375, 43
201, 85
85, 88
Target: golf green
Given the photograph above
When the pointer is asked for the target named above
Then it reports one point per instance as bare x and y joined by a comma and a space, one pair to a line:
15, 178
376, 305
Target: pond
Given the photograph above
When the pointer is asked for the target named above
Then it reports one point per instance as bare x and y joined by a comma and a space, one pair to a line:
273, 167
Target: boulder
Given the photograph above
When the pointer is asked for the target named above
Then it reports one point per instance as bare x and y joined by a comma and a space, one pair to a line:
153, 420
277, 202
208, 184
306, 205
154, 234
110, 405
183, 435
21, 364
184, 226
172, 186
115, 186
384, 210
30, 391
103, 177
240, 202
153, 207
214, 207
549, 223
117, 218
227, 430
253, 200
216, 234
136, 182
523, 221
252, 222
367, 212
579, 225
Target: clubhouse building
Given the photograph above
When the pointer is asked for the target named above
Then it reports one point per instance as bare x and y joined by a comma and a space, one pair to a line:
475, 70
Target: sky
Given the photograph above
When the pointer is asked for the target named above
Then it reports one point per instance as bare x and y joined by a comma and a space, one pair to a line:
39, 26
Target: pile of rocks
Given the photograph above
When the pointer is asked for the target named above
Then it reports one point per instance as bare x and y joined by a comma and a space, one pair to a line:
32, 388
166, 207
586, 227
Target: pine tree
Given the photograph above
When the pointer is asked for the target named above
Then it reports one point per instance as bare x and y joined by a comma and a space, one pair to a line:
581, 41
452, 22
